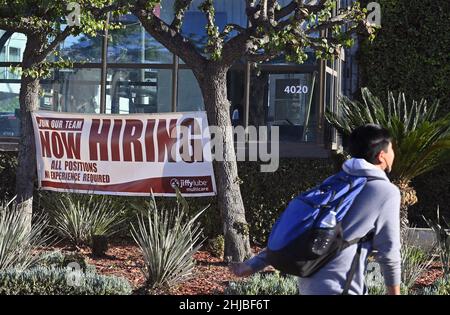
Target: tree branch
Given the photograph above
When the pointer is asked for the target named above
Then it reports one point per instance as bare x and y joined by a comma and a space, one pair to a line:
5, 38
168, 36
58, 39
180, 7
100, 12
263, 16
236, 48
12, 25
295, 5
336, 20
231, 26
286, 10
271, 11
266, 56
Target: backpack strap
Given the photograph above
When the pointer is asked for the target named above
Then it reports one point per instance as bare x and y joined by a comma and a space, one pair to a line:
356, 258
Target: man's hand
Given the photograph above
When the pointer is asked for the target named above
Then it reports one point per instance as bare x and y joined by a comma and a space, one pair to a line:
241, 269
393, 290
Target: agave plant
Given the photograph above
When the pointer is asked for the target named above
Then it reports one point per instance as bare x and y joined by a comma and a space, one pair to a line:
19, 242
421, 138
168, 240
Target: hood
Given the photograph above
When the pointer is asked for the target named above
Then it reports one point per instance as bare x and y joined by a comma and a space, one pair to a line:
360, 167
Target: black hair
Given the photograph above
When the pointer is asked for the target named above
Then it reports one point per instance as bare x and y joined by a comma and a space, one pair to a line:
366, 142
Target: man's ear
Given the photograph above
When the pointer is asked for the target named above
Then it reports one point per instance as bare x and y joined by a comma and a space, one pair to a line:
380, 156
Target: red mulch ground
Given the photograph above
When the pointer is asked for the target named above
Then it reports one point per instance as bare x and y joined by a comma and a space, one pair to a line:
211, 274
430, 275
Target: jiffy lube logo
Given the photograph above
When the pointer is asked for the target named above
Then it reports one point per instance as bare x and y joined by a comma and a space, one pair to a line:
174, 182
188, 183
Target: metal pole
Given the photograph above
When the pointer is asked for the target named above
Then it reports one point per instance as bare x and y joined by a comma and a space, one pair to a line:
104, 67
176, 63
247, 93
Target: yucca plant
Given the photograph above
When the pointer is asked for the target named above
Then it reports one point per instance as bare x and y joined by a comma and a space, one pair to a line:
414, 262
440, 228
421, 138
18, 243
79, 217
168, 239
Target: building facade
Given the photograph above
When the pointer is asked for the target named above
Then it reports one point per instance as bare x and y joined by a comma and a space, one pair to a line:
144, 77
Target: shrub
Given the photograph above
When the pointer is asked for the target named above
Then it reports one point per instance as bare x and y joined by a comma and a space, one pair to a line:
264, 284
8, 164
414, 262
266, 195
216, 246
168, 240
57, 281
78, 217
18, 242
374, 278
443, 241
439, 287
57, 259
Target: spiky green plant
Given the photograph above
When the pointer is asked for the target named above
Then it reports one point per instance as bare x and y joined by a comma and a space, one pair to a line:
78, 217
440, 228
168, 239
18, 243
421, 138
414, 262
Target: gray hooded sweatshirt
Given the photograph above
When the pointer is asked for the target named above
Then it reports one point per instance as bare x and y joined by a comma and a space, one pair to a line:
376, 209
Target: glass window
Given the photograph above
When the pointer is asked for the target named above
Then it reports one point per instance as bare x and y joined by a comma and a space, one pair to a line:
139, 91
9, 103
292, 105
14, 54
189, 94
132, 44
82, 48
12, 51
71, 90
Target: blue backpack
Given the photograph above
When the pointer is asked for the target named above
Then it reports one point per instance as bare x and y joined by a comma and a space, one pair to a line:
300, 242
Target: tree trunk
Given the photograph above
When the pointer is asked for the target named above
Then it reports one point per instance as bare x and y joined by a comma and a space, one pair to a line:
26, 168
213, 83
408, 198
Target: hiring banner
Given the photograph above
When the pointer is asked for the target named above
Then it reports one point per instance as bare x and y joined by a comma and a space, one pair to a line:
124, 154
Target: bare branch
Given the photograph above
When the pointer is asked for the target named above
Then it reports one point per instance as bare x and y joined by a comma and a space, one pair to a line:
235, 48
4, 38
58, 39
